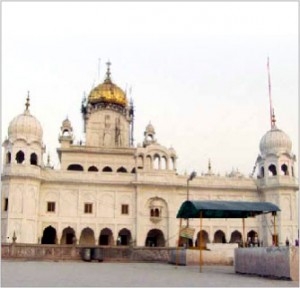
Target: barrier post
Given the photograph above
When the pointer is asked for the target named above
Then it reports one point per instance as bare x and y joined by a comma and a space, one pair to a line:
177, 248
200, 242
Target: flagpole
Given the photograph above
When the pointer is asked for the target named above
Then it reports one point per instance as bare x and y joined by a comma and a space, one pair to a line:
270, 96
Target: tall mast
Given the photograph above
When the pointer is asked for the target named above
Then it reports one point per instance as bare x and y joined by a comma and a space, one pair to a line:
270, 97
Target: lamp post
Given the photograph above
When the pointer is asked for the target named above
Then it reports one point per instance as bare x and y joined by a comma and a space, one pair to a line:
191, 177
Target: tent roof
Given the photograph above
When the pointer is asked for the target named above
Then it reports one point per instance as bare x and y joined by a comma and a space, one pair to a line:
224, 209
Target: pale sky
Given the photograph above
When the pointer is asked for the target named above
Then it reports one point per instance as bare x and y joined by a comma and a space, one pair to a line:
197, 70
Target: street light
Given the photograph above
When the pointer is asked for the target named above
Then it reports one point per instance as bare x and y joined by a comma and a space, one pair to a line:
191, 177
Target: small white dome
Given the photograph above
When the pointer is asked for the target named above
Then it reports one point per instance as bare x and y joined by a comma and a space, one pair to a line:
66, 125
25, 126
150, 129
275, 141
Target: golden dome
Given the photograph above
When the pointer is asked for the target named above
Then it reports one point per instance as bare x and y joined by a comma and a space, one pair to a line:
108, 92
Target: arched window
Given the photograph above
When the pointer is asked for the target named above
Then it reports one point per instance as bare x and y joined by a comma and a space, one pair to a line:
93, 169
140, 161
133, 171
107, 169
20, 157
272, 170
172, 163
33, 159
284, 170
156, 162
149, 162
75, 167
156, 212
8, 158
152, 212
66, 132
164, 163
122, 170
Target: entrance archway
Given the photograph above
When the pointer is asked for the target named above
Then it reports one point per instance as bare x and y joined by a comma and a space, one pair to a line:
205, 238
49, 236
68, 236
124, 237
106, 237
87, 236
236, 237
252, 238
155, 238
219, 237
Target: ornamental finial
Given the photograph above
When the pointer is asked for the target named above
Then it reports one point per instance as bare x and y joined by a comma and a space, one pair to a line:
108, 70
209, 165
27, 104
273, 119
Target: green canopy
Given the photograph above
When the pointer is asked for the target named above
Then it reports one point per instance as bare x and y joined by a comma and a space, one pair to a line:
224, 209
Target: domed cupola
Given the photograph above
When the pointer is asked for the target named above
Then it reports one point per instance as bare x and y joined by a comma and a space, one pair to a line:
26, 127
66, 135
275, 141
276, 157
149, 135
24, 144
108, 92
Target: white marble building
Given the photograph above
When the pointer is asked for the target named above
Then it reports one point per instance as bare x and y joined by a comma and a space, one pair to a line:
107, 191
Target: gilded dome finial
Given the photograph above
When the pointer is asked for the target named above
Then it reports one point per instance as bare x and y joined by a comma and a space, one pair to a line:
108, 71
273, 119
108, 92
27, 104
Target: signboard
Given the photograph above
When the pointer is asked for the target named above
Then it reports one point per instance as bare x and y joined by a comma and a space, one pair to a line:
187, 232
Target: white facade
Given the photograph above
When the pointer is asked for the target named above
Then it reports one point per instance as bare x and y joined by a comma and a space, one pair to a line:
107, 191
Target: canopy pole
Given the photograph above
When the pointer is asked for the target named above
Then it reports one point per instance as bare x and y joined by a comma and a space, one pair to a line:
244, 233
200, 242
177, 248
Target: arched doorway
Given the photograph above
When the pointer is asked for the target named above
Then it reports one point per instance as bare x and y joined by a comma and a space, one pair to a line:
124, 237
252, 238
68, 236
155, 238
236, 237
106, 237
219, 237
87, 236
49, 236
205, 238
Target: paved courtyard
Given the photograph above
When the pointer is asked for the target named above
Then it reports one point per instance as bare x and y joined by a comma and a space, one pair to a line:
81, 274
